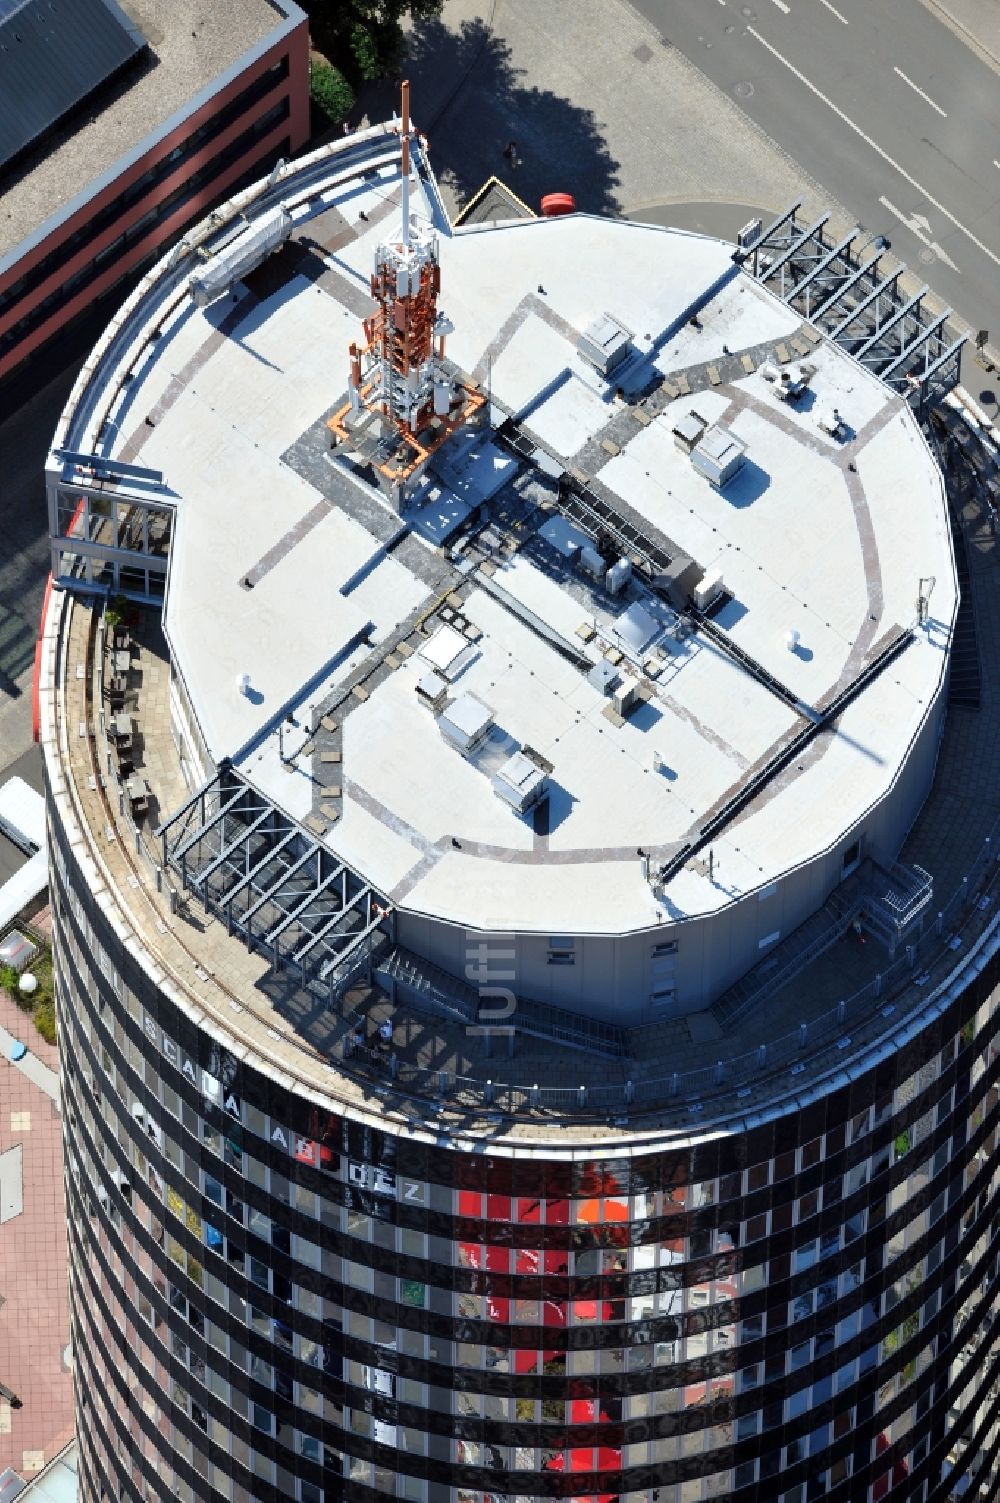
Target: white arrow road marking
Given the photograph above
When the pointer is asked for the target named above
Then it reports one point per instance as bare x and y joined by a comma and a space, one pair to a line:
917, 90
943, 256
920, 227
874, 146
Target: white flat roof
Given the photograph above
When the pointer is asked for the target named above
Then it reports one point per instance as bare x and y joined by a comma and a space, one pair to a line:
821, 537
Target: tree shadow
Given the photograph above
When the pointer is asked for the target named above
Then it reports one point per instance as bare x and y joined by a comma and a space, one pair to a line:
470, 100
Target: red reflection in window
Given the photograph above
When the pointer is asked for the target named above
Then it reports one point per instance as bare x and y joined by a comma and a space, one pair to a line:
888, 1480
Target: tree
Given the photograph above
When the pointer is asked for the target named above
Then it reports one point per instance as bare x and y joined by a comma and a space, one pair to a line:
364, 38
330, 92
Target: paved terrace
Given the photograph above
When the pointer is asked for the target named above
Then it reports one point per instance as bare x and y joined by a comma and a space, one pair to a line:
34, 1293
429, 1075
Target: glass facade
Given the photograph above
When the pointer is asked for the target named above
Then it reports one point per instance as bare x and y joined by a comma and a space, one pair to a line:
273, 1300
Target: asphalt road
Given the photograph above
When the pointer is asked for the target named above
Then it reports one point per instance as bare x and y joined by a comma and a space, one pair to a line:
885, 107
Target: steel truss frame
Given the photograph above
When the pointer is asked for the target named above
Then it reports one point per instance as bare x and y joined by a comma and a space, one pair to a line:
858, 304
272, 883
108, 538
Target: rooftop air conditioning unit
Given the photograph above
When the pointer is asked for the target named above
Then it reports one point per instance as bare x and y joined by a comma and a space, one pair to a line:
626, 696
832, 423
618, 576
719, 456
708, 589
17, 950
592, 563
749, 234
688, 431
432, 690
522, 780
605, 343
603, 676
466, 723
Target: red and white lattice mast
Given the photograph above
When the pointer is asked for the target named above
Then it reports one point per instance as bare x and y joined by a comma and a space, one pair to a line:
404, 399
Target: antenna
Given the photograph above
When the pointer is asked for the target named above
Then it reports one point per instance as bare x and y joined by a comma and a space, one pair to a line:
405, 134
404, 398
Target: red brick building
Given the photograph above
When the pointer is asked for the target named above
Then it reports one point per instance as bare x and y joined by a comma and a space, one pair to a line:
201, 113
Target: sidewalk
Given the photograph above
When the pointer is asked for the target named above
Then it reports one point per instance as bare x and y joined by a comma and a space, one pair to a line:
34, 1299
977, 22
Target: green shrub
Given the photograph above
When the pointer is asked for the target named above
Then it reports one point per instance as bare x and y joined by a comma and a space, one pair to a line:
39, 1004
45, 1020
117, 611
330, 92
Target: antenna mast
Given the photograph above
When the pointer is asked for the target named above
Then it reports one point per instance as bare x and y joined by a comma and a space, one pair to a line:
404, 397
405, 139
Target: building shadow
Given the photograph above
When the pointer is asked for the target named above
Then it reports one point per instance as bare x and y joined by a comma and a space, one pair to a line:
747, 485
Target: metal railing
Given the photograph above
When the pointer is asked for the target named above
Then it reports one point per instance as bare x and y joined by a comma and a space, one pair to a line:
890, 994
824, 1039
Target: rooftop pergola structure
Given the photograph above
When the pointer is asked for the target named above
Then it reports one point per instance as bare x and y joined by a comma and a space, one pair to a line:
843, 289
271, 883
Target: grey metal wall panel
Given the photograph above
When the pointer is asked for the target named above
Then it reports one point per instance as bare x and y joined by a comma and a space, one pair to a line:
53, 53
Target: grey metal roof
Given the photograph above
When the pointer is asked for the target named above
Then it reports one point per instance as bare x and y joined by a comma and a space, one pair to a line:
53, 53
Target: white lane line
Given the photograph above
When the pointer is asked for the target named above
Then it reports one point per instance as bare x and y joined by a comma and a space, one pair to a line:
782, 6
918, 90
995, 162
875, 146
834, 11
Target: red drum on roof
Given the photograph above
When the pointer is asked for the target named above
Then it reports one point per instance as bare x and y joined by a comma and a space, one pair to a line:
558, 203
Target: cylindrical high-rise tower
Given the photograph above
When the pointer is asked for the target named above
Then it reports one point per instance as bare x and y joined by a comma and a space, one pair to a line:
526, 967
